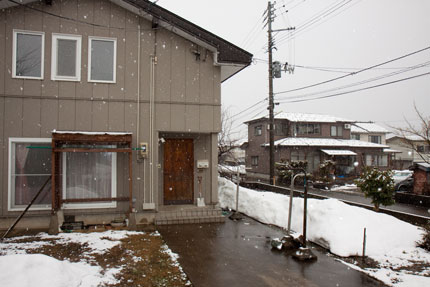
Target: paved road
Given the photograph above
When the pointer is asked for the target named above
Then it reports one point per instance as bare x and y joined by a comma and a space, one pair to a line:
238, 253
359, 198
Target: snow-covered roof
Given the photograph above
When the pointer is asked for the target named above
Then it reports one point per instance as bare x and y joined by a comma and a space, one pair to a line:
326, 142
90, 133
338, 152
389, 150
410, 137
367, 128
314, 118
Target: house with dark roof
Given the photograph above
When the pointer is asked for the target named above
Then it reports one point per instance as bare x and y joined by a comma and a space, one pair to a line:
313, 138
111, 109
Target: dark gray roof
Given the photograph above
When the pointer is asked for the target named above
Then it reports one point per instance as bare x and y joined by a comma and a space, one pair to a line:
228, 52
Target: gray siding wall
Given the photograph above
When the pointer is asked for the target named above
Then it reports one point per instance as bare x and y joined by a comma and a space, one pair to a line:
187, 90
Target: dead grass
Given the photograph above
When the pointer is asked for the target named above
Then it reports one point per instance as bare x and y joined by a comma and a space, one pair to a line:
142, 259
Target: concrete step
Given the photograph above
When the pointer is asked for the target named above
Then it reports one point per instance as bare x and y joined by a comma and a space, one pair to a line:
187, 215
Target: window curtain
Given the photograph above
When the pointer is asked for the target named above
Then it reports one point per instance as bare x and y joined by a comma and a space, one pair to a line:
88, 175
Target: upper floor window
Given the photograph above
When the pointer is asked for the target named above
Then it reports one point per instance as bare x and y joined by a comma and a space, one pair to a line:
375, 139
281, 129
355, 136
27, 57
257, 130
102, 60
307, 129
254, 160
336, 131
423, 148
66, 57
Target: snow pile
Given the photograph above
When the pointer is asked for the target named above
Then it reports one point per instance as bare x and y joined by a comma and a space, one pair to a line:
42, 270
334, 225
98, 242
350, 188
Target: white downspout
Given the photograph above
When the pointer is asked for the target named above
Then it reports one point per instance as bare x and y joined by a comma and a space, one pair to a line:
138, 108
151, 127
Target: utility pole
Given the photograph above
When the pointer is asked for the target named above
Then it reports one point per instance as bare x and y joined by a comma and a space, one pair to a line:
270, 19
270, 45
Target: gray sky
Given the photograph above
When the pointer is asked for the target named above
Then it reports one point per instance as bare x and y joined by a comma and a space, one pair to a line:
361, 33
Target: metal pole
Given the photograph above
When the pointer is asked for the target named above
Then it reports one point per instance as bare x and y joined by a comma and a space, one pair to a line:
290, 208
237, 189
25, 210
271, 104
364, 243
305, 212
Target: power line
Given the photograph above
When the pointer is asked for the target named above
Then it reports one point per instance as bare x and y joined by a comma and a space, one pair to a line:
354, 73
248, 108
321, 20
422, 65
316, 18
358, 90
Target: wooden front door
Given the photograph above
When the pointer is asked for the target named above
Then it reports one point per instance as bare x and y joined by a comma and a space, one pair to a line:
178, 171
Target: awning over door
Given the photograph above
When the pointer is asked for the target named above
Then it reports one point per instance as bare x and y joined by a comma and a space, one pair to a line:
338, 152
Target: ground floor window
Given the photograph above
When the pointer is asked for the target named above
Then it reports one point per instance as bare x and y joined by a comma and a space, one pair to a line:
376, 160
254, 160
89, 175
29, 168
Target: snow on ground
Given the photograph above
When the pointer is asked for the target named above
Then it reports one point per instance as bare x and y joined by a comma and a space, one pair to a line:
98, 242
28, 269
349, 188
339, 227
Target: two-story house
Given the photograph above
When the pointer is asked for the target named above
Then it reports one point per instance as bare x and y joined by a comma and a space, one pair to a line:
368, 132
312, 138
413, 149
116, 105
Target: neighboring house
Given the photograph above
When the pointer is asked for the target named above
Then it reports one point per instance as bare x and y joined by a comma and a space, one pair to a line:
371, 132
313, 138
413, 150
118, 101
368, 132
234, 153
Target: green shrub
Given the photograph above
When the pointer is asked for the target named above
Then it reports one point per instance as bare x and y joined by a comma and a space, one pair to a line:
377, 185
326, 171
286, 169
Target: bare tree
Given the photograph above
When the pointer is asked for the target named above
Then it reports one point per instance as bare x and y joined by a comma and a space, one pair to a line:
411, 135
226, 141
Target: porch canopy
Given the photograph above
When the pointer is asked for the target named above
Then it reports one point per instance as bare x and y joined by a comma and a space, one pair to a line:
87, 142
335, 152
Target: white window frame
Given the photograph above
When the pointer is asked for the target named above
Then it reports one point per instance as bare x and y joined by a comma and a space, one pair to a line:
90, 40
42, 58
11, 167
54, 57
111, 204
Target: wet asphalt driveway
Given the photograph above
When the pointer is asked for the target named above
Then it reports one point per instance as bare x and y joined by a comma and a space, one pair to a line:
238, 253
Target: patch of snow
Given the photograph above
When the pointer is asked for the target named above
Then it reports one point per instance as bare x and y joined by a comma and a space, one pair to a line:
367, 128
338, 227
89, 133
314, 118
344, 188
325, 142
40, 270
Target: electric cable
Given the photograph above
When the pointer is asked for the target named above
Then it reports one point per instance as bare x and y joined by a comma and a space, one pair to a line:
354, 73
405, 70
358, 90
